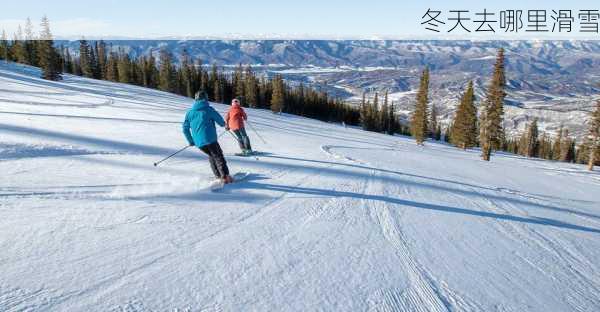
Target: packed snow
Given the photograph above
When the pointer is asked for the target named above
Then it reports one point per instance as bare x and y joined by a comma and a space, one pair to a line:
330, 217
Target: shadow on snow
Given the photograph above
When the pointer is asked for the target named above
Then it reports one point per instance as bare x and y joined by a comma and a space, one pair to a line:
430, 182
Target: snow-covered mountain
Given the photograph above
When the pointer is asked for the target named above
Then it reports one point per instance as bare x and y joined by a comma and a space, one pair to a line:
540, 57
330, 218
555, 81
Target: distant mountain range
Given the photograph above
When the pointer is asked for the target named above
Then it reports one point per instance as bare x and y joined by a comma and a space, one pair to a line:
555, 81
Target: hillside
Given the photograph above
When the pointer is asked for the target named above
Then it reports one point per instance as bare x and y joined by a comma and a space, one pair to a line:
330, 218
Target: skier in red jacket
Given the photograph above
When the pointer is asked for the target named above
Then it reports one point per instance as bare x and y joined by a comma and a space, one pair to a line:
234, 121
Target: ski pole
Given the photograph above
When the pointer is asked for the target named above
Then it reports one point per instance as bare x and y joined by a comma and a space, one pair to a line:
233, 135
179, 151
256, 132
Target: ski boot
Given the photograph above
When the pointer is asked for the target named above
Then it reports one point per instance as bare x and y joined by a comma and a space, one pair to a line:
227, 179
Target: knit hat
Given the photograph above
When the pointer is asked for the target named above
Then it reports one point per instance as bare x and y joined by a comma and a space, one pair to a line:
201, 95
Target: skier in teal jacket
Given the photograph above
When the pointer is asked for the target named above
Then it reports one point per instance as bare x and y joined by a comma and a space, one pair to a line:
199, 130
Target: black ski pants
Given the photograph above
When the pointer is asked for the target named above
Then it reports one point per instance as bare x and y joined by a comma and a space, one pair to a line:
216, 159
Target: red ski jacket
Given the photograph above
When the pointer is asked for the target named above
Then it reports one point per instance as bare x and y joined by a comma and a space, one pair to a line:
235, 117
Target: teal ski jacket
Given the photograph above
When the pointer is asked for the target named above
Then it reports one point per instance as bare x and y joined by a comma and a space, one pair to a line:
199, 124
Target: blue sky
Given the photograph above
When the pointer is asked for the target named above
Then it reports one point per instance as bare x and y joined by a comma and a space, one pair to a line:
306, 18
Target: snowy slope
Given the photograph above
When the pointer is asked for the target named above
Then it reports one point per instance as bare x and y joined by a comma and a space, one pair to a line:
330, 218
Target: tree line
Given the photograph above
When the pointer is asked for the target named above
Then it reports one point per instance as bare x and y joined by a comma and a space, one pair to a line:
183, 76
483, 128
99, 61
469, 128
27, 48
533, 143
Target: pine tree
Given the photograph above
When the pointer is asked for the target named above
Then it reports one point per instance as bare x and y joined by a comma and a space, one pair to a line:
251, 88
94, 62
18, 50
374, 114
213, 83
49, 59
565, 148
102, 56
124, 68
151, 73
446, 134
545, 147
166, 72
433, 121
594, 134
4, 47
383, 114
205, 78
531, 140
30, 44
187, 74
556, 148
582, 154
85, 61
572, 151
392, 123
61, 58
419, 126
463, 132
238, 83
145, 75
112, 70
521, 147
438, 133
278, 96
67, 61
218, 93
363, 112
491, 131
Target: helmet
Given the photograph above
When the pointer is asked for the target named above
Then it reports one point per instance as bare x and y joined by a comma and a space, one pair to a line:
201, 95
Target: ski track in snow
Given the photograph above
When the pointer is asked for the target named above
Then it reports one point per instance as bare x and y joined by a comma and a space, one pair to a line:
17, 151
330, 218
580, 285
423, 293
395, 299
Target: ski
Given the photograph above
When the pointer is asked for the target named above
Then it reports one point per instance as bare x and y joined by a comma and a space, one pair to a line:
237, 177
253, 153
